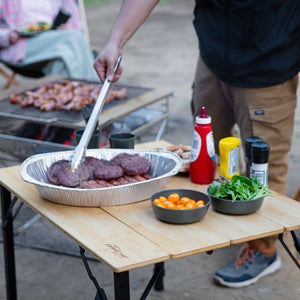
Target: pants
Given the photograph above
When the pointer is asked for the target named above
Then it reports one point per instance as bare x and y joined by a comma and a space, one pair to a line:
266, 112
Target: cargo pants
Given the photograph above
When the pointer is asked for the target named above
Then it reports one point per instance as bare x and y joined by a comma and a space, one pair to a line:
266, 112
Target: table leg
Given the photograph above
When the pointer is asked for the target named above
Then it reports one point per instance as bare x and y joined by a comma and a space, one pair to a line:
156, 280
159, 283
100, 291
296, 241
121, 284
297, 246
8, 244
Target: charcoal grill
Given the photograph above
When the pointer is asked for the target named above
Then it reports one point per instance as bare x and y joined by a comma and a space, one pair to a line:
18, 125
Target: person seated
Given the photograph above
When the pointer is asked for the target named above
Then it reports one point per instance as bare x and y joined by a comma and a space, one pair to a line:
63, 51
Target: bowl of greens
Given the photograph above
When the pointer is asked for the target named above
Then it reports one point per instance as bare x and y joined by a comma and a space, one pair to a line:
238, 196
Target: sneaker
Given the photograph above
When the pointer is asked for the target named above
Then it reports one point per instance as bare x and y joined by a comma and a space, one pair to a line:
248, 268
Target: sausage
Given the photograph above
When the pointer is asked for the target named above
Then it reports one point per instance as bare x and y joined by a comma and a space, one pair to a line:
66, 95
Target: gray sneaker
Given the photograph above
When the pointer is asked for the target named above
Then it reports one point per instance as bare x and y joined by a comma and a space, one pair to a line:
248, 268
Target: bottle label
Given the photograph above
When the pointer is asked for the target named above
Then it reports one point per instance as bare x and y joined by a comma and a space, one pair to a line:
196, 146
233, 161
261, 172
210, 145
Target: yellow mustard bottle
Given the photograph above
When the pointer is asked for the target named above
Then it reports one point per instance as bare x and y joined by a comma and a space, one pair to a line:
229, 149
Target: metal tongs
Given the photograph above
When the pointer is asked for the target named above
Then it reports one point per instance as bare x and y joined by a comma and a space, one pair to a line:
80, 150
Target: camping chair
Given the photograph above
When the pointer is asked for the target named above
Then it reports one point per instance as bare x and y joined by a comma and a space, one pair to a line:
9, 71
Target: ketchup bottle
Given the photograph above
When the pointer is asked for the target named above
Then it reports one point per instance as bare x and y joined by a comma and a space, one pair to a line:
202, 161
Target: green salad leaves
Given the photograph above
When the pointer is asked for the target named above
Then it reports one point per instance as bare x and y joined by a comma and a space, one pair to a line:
238, 188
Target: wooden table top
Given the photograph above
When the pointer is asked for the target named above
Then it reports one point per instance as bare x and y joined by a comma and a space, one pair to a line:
129, 236
109, 240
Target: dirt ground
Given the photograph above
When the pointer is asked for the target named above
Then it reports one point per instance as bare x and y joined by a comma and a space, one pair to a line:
163, 53
159, 55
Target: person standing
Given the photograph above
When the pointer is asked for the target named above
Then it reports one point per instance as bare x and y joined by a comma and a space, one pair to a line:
247, 74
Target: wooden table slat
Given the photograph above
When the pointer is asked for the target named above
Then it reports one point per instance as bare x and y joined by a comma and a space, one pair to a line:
281, 209
242, 228
236, 228
178, 240
109, 240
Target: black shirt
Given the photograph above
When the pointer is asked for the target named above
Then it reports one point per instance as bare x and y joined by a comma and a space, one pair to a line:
249, 43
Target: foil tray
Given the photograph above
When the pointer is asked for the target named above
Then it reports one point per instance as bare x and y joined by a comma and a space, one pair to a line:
163, 165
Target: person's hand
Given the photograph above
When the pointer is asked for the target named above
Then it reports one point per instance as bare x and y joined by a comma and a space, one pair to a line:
13, 37
132, 15
105, 64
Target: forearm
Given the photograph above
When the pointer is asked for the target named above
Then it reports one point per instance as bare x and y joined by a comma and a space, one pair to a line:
132, 15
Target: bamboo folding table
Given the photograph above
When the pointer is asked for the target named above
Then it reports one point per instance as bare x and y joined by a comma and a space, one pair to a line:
135, 237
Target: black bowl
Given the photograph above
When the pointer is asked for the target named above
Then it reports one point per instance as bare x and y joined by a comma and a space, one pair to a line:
181, 216
237, 207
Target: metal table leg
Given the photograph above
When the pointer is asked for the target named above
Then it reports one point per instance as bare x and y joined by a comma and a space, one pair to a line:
121, 285
8, 243
100, 291
297, 246
159, 282
156, 280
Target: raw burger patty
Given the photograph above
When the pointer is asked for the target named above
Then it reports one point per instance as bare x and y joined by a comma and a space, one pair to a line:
135, 165
92, 163
118, 158
54, 168
108, 172
69, 178
60, 173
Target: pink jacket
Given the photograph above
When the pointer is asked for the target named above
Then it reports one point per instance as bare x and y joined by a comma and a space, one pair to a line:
11, 18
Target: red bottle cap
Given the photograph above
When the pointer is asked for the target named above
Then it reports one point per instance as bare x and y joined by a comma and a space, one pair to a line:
203, 113
203, 118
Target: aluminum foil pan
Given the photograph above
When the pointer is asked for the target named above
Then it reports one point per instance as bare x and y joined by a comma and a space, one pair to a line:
163, 165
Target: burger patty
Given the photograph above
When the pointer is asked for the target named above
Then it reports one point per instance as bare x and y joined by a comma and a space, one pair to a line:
94, 172
92, 163
100, 183
135, 165
108, 172
54, 168
60, 173
132, 164
70, 178
119, 158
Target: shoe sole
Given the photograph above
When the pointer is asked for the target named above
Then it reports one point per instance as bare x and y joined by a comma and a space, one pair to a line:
267, 271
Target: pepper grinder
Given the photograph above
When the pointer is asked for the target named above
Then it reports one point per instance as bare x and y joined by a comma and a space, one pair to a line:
249, 141
260, 156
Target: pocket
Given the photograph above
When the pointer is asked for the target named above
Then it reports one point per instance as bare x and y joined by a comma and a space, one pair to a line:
273, 122
272, 113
